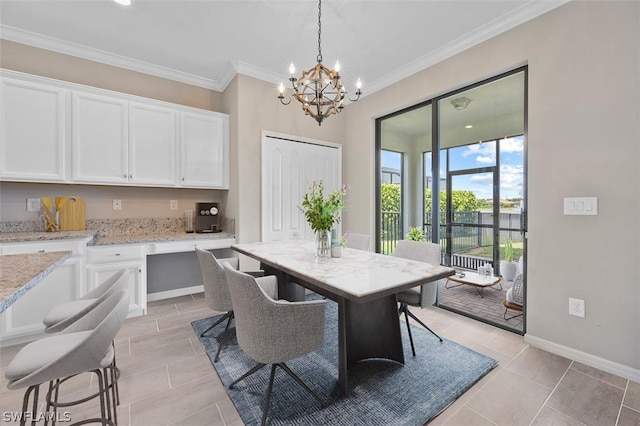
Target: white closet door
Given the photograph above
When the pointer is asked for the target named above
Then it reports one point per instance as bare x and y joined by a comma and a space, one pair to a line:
289, 166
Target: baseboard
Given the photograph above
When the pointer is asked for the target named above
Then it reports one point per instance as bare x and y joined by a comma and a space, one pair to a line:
161, 295
584, 358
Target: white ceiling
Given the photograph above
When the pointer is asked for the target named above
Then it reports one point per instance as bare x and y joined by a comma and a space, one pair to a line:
206, 42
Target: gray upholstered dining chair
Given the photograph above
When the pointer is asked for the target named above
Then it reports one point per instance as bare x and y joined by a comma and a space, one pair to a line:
271, 331
216, 290
64, 314
359, 241
84, 346
416, 296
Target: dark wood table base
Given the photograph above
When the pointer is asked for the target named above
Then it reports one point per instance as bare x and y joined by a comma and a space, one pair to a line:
365, 329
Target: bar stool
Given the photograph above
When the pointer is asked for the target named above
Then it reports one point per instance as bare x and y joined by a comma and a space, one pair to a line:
84, 346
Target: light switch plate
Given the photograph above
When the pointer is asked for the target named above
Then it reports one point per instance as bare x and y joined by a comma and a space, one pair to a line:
582, 206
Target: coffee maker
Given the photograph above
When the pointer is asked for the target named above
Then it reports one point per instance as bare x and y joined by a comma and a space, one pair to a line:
207, 218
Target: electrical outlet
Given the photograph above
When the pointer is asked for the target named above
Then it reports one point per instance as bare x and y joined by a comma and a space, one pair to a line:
117, 204
576, 307
33, 204
173, 204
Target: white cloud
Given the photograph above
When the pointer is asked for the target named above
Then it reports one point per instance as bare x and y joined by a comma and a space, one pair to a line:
512, 145
485, 159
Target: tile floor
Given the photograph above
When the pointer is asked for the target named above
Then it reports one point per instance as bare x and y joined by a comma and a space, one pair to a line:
167, 378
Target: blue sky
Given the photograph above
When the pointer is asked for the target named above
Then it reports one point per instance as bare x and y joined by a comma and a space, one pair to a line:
482, 155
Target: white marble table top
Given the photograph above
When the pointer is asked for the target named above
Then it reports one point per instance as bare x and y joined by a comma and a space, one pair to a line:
356, 275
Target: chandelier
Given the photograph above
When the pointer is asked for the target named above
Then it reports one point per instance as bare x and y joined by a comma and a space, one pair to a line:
319, 90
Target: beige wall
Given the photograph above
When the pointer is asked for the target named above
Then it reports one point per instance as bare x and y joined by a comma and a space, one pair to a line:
258, 109
584, 83
46, 63
136, 202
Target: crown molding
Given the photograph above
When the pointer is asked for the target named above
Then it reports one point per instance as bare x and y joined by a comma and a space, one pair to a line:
50, 43
528, 11
254, 71
493, 28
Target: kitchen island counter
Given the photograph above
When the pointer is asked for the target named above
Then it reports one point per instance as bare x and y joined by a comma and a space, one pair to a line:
22, 237
21, 272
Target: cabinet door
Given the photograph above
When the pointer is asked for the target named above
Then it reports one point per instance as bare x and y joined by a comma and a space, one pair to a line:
32, 135
24, 317
152, 145
100, 139
135, 282
205, 150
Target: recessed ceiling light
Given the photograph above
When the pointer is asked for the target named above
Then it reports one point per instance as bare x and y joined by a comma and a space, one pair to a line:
123, 2
468, 126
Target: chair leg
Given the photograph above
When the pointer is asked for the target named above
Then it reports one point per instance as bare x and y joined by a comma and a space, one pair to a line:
301, 383
421, 323
228, 315
403, 309
25, 404
248, 373
224, 334
511, 317
265, 411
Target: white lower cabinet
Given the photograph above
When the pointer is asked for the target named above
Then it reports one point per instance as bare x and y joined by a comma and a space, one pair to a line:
23, 320
104, 261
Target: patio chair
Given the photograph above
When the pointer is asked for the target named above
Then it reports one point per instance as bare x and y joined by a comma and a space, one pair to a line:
514, 299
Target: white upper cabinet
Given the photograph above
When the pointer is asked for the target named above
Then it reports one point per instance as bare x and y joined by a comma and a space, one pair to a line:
100, 139
32, 131
152, 145
54, 131
205, 150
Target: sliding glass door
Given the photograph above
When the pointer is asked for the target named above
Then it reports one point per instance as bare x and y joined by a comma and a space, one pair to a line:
470, 197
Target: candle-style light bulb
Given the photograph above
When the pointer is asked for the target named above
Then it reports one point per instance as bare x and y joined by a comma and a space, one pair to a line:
292, 69
281, 88
359, 84
337, 66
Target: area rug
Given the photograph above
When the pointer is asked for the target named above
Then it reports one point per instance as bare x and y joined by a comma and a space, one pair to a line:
380, 392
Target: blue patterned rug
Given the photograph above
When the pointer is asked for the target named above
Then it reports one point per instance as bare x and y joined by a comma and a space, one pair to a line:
380, 392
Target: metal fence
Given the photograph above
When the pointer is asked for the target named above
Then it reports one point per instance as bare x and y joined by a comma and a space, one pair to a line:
463, 237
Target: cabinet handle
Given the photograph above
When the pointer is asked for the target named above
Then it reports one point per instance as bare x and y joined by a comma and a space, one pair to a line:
124, 176
117, 254
130, 176
41, 251
183, 179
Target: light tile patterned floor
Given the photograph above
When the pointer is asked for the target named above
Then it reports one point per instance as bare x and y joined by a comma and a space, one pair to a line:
168, 380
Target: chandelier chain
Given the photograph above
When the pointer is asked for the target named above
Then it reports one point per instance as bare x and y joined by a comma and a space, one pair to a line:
319, 58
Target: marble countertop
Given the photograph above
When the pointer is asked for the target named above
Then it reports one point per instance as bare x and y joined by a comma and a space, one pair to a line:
21, 272
21, 237
104, 240
101, 240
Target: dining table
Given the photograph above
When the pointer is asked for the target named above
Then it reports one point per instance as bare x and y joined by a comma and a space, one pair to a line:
362, 283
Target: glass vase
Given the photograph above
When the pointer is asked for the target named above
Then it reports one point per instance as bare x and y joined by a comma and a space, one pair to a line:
323, 244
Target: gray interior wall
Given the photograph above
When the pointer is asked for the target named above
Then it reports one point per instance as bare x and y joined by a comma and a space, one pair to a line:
174, 271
